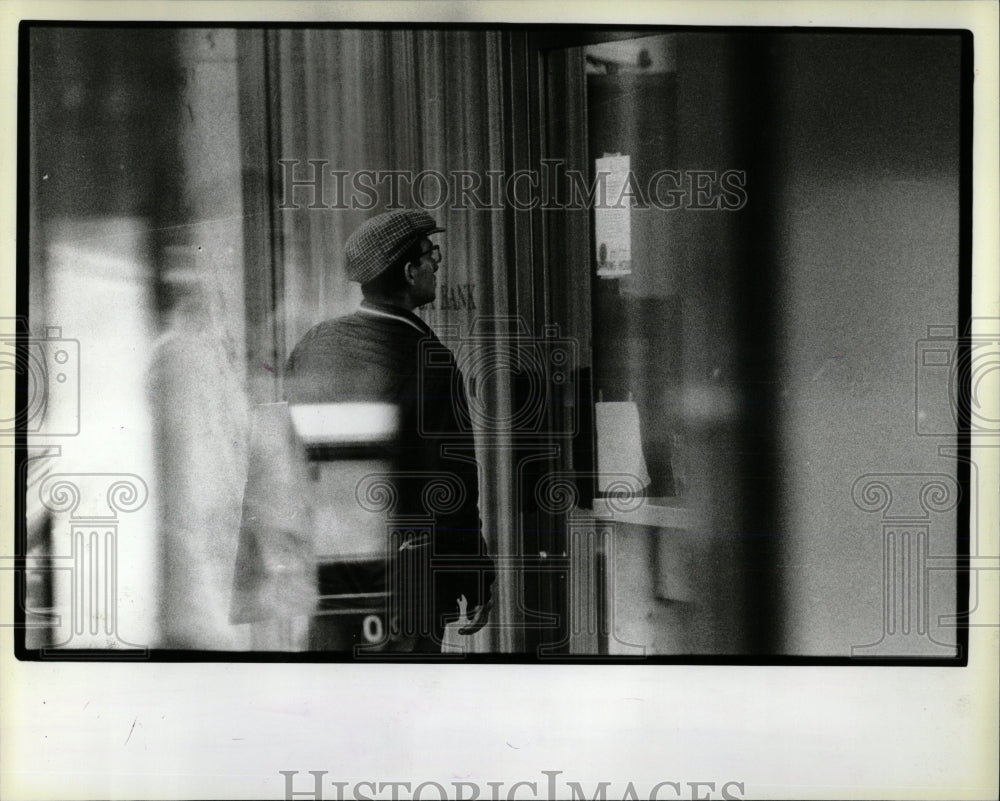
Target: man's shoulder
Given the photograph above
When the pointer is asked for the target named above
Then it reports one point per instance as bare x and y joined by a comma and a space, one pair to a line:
357, 337
347, 328
335, 324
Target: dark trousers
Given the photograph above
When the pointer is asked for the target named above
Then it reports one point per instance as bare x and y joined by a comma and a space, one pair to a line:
423, 598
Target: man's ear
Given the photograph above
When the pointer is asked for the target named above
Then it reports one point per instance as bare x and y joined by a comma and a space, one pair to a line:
407, 274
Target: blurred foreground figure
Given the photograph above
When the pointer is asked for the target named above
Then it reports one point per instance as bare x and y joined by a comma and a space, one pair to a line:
385, 354
202, 420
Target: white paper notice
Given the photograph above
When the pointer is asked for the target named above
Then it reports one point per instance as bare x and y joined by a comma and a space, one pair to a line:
613, 226
619, 446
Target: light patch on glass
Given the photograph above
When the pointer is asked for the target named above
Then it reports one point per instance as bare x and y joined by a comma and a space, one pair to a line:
340, 423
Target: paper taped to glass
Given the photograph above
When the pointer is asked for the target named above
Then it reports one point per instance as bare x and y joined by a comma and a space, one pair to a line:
619, 446
613, 225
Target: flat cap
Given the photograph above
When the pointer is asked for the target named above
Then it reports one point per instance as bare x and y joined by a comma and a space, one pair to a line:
379, 241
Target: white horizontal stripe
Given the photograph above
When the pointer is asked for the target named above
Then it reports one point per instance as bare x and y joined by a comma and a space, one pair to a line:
344, 423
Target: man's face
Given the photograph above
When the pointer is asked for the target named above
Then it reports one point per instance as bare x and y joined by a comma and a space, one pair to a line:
424, 288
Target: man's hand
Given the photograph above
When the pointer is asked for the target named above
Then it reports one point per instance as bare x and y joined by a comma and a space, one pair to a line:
480, 616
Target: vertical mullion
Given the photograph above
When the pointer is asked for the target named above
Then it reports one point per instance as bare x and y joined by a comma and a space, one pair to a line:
258, 102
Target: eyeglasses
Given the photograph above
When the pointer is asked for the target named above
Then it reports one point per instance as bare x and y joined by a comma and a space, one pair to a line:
434, 253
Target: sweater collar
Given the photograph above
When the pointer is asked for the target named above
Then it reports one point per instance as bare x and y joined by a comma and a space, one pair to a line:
397, 313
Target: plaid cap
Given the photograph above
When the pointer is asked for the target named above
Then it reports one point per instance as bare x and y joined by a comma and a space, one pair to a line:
379, 241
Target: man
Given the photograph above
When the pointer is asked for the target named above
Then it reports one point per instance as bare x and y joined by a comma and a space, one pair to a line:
383, 353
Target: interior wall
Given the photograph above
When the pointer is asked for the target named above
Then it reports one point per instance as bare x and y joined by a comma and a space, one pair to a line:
853, 169
869, 246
